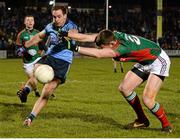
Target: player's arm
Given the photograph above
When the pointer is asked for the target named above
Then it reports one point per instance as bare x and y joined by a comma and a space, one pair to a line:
78, 36
19, 45
35, 39
98, 53
82, 37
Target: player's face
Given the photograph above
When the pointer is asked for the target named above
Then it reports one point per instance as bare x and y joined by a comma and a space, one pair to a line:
59, 18
29, 22
109, 45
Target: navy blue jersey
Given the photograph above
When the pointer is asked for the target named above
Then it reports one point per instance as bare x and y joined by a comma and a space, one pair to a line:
55, 41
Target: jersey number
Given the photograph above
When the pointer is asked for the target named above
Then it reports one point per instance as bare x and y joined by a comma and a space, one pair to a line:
133, 39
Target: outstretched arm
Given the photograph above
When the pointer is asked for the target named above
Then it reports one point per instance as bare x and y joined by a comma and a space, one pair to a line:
98, 53
35, 39
82, 37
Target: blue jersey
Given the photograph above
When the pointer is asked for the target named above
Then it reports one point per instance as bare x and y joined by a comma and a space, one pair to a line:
55, 41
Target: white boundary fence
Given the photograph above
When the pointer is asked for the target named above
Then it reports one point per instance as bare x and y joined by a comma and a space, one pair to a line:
173, 52
3, 53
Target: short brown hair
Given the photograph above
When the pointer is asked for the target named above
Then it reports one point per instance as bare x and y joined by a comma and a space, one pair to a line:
104, 37
28, 16
64, 9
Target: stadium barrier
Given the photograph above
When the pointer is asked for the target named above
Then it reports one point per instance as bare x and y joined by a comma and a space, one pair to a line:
3, 53
173, 52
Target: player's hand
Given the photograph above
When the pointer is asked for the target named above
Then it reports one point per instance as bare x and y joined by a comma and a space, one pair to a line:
62, 33
20, 51
74, 48
69, 45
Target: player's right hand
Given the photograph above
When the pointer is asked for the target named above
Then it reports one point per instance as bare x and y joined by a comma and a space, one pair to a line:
20, 51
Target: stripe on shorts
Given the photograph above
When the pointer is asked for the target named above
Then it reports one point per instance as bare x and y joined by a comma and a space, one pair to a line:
164, 65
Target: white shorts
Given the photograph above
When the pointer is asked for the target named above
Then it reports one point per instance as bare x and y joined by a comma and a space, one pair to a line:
29, 68
160, 66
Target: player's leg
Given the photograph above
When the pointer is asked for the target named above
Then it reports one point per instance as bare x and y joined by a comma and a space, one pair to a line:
30, 84
114, 65
132, 80
149, 95
61, 69
121, 67
33, 82
26, 89
159, 70
48, 90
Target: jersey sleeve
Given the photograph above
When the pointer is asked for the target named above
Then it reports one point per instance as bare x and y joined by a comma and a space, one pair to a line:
70, 25
47, 29
19, 39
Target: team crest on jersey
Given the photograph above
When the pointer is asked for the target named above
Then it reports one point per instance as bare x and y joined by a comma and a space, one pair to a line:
26, 37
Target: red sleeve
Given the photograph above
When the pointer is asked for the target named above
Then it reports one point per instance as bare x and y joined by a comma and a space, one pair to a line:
18, 40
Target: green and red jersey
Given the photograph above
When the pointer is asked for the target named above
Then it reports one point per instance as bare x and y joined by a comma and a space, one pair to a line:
135, 49
33, 50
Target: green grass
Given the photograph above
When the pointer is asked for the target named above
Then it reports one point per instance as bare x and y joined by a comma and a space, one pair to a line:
88, 105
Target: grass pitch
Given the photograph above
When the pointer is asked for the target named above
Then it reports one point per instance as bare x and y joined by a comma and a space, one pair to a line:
88, 105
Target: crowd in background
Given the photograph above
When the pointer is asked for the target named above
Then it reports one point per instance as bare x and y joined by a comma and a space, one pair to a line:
141, 23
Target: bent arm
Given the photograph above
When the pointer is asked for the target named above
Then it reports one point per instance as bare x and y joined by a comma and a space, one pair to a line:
98, 53
35, 39
82, 37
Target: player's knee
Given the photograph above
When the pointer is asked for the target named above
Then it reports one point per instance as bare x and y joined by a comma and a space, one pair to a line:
33, 80
122, 88
45, 95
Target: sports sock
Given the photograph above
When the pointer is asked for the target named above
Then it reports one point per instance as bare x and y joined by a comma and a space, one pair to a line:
27, 89
159, 112
134, 101
32, 116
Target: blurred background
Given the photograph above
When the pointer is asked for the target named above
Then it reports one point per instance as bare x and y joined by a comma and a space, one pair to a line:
137, 17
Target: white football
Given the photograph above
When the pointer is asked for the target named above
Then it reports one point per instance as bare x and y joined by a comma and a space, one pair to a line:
44, 73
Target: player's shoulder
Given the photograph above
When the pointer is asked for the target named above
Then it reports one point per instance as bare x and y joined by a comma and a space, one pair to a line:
117, 32
21, 32
35, 30
50, 25
70, 23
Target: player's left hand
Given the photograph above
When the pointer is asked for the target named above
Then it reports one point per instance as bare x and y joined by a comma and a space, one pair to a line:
62, 33
74, 48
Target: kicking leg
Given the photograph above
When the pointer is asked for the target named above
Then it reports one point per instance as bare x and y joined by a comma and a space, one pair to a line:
42, 101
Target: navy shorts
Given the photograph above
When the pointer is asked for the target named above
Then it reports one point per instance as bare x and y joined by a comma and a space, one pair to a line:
59, 66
